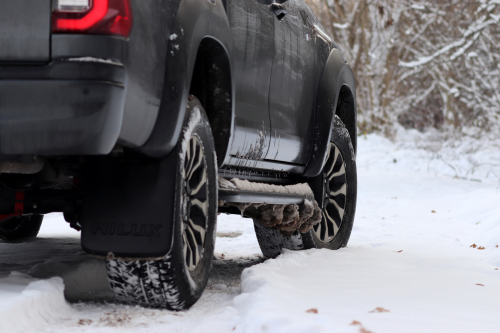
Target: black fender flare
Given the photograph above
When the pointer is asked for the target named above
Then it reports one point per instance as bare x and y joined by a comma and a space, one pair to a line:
195, 20
337, 77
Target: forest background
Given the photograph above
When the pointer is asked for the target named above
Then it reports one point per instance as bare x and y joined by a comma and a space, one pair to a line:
420, 64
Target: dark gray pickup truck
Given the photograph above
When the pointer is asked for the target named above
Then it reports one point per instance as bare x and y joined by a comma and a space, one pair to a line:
142, 120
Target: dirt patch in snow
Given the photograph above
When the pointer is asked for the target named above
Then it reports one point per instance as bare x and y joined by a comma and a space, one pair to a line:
115, 318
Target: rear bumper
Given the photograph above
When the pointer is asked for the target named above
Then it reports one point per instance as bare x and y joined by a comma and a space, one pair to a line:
59, 117
72, 105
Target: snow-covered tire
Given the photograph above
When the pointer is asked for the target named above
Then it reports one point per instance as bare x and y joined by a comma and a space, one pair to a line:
177, 281
18, 228
326, 234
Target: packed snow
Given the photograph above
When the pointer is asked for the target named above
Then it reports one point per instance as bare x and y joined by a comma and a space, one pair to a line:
245, 185
423, 257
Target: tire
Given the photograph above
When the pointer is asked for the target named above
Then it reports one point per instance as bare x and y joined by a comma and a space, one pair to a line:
18, 228
335, 190
338, 210
272, 242
177, 281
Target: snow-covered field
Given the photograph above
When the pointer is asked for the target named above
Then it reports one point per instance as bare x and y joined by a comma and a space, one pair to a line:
423, 257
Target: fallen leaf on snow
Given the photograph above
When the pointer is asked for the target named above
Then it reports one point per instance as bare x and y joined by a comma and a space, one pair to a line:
473, 246
84, 322
496, 269
496, 246
379, 309
479, 284
478, 223
361, 329
399, 251
481, 248
433, 211
313, 310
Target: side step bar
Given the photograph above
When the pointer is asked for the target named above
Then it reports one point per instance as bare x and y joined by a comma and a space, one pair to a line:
233, 196
288, 208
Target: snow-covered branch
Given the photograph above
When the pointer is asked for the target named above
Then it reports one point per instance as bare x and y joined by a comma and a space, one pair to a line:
472, 31
420, 63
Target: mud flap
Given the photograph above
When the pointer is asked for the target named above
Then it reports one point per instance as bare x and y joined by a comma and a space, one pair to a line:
128, 207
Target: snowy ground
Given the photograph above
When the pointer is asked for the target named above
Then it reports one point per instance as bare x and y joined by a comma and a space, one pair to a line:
409, 266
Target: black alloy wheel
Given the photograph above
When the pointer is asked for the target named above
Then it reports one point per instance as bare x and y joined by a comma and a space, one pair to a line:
335, 190
335, 194
194, 203
176, 281
20, 227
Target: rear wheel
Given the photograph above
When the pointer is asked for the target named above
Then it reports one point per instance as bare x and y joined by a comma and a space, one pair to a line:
20, 227
335, 190
177, 281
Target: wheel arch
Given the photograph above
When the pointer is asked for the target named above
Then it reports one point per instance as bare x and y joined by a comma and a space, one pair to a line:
346, 111
200, 28
212, 84
336, 95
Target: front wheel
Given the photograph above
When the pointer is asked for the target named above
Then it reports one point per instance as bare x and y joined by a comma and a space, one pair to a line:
335, 190
177, 281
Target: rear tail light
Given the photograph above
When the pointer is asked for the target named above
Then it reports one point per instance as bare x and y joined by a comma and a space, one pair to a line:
104, 17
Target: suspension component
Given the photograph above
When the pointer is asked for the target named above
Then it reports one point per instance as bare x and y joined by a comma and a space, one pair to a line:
38, 201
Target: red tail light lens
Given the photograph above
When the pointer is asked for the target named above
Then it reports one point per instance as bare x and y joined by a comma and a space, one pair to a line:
106, 17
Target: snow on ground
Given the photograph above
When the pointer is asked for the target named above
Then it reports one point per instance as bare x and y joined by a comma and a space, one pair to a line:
409, 266
445, 153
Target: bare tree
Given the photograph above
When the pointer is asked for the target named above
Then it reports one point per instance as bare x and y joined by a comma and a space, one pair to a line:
420, 63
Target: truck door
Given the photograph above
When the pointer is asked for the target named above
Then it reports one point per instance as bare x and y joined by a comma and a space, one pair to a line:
252, 27
292, 85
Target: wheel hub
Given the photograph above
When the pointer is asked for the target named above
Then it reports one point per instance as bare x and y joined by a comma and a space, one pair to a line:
335, 193
194, 206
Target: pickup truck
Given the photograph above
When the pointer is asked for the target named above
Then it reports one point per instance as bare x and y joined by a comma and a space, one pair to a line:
141, 121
